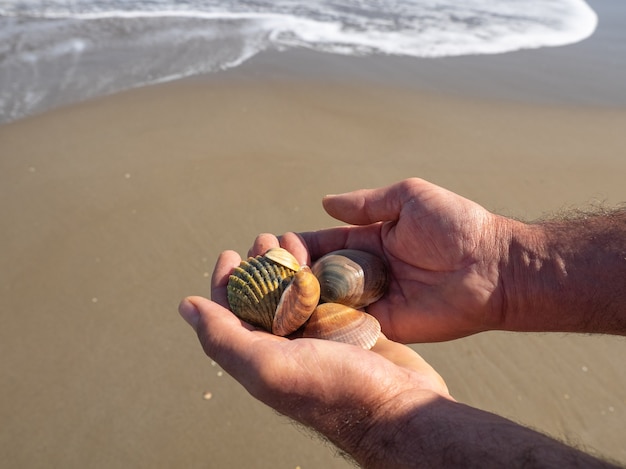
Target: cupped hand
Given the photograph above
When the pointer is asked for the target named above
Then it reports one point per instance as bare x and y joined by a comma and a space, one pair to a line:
444, 253
338, 389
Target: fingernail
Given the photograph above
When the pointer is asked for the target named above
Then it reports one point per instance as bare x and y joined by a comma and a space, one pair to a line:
189, 312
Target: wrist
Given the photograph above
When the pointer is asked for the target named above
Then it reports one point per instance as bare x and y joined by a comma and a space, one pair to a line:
529, 272
374, 422
566, 276
398, 434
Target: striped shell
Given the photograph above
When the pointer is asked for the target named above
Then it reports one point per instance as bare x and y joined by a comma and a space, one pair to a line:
351, 277
263, 285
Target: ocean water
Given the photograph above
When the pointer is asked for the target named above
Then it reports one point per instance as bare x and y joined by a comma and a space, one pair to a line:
55, 52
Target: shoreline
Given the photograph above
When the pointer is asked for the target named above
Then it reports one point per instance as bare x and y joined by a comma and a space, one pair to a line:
490, 78
589, 73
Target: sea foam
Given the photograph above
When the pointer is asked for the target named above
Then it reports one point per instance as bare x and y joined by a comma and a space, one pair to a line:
53, 52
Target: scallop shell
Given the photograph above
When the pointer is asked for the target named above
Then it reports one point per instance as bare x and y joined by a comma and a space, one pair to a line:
341, 323
273, 292
255, 288
351, 277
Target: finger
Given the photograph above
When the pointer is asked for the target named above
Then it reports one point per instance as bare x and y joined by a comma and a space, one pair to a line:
343, 237
189, 313
262, 244
224, 266
367, 206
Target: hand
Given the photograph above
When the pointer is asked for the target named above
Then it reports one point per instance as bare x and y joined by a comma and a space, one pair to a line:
340, 390
442, 249
385, 407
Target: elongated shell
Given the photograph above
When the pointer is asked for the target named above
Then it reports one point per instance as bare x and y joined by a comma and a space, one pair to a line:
296, 303
351, 277
332, 321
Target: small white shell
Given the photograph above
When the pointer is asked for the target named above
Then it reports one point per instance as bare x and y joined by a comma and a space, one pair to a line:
283, 257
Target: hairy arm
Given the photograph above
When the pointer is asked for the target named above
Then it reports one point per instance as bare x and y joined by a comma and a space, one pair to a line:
458, 269
442, 433
567, 275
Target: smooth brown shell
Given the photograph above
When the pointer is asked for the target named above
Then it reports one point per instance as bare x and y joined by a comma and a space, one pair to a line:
341, 323
351, 277
296, 303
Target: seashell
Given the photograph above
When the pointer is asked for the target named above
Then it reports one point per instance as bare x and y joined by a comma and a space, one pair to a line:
297, 302
256, 286
341, 323
275, 293
351, 277
283, 257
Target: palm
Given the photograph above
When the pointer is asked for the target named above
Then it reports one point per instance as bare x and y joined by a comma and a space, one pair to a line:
437, 245
282, 373
440, 278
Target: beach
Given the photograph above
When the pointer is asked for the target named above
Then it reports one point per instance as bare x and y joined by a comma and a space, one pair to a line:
116, 208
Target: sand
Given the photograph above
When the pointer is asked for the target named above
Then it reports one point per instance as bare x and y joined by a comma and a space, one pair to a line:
115, 209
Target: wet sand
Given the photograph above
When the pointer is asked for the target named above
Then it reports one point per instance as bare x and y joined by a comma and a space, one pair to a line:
117, 208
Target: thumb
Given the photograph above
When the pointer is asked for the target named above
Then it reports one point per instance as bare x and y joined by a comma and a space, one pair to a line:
223, 336
366, 206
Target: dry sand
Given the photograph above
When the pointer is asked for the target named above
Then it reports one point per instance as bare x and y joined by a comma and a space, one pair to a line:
115, 209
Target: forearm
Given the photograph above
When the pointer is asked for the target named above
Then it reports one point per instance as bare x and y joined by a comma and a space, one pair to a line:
567, 276
444, 433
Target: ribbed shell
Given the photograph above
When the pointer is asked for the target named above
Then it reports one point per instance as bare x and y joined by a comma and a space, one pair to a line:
254, 290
